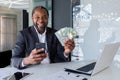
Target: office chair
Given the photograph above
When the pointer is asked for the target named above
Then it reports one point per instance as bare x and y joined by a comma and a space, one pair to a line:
5, 58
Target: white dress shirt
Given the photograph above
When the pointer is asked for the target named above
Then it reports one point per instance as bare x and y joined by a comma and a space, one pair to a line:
42, 39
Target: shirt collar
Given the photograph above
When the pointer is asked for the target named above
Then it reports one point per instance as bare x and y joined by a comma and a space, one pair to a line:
39, 33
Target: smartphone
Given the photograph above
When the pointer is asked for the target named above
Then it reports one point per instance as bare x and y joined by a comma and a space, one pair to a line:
40, 45
18, 76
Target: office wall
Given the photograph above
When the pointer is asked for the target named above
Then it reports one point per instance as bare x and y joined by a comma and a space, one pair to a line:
11, 22
62, 14
16, 12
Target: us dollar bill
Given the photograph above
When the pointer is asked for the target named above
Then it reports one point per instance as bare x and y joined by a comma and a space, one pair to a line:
65, 33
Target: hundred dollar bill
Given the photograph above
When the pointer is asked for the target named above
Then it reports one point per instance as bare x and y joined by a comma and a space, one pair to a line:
65, 33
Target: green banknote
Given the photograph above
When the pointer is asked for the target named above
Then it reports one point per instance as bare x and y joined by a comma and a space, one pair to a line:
65, 33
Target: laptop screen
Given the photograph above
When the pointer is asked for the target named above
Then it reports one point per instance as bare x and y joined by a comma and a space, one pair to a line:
106, 57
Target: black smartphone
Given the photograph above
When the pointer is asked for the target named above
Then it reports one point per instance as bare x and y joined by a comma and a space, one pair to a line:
40, 45
20, 75
17, 76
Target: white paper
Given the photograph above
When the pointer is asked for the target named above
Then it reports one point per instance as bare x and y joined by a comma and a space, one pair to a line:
7, 72
62, 75
4, 74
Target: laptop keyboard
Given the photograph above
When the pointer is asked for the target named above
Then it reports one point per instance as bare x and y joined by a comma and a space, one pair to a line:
88, 67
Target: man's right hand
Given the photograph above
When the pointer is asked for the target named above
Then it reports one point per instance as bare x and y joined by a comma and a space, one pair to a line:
35, 57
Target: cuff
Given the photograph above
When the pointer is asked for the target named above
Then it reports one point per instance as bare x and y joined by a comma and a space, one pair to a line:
22, 64
66, 57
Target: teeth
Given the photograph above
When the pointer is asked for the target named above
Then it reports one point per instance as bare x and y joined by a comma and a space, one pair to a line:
40, 24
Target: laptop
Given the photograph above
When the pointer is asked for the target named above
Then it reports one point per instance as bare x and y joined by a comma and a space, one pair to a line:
103, 62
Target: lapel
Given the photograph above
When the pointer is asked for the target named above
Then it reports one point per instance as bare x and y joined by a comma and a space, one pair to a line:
34, 34
48, 39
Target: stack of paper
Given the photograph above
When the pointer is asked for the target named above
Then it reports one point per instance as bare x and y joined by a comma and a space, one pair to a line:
65, 33
63, 76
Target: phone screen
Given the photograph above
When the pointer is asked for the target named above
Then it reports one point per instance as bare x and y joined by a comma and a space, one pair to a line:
40, 45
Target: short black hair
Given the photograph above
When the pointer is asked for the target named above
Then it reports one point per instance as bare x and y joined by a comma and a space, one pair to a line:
41, 7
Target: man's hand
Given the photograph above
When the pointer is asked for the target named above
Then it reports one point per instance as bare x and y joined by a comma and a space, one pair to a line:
69, 46
35, 57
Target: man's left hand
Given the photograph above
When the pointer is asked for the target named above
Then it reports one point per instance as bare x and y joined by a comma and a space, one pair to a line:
69, 46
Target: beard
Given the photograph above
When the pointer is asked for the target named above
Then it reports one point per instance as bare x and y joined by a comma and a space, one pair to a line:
40, 27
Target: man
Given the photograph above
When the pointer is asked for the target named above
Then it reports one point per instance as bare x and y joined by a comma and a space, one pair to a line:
25, 52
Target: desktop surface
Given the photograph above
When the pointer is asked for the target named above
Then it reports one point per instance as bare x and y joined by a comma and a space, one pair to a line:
43, 70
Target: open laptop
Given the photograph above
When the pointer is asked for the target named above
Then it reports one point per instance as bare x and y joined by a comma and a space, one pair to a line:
103, 62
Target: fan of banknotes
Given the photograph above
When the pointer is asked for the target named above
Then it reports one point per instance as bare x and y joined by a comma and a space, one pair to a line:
65, 33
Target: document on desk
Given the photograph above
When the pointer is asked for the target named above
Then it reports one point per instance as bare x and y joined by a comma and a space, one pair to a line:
62, 76
5, 72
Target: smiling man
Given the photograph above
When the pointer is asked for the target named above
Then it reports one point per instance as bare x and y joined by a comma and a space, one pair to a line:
25, 53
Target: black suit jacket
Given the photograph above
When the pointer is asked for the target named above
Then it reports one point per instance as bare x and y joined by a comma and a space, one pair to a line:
26, 43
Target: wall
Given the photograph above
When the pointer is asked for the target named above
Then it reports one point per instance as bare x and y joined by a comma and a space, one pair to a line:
62, 14
16, 12
11, 24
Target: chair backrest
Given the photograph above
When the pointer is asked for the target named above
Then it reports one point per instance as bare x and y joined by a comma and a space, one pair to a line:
5, 58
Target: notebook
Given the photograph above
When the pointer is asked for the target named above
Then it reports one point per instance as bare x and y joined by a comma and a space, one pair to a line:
104, 60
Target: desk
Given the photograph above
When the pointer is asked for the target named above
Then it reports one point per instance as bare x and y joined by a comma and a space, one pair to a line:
42, 70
